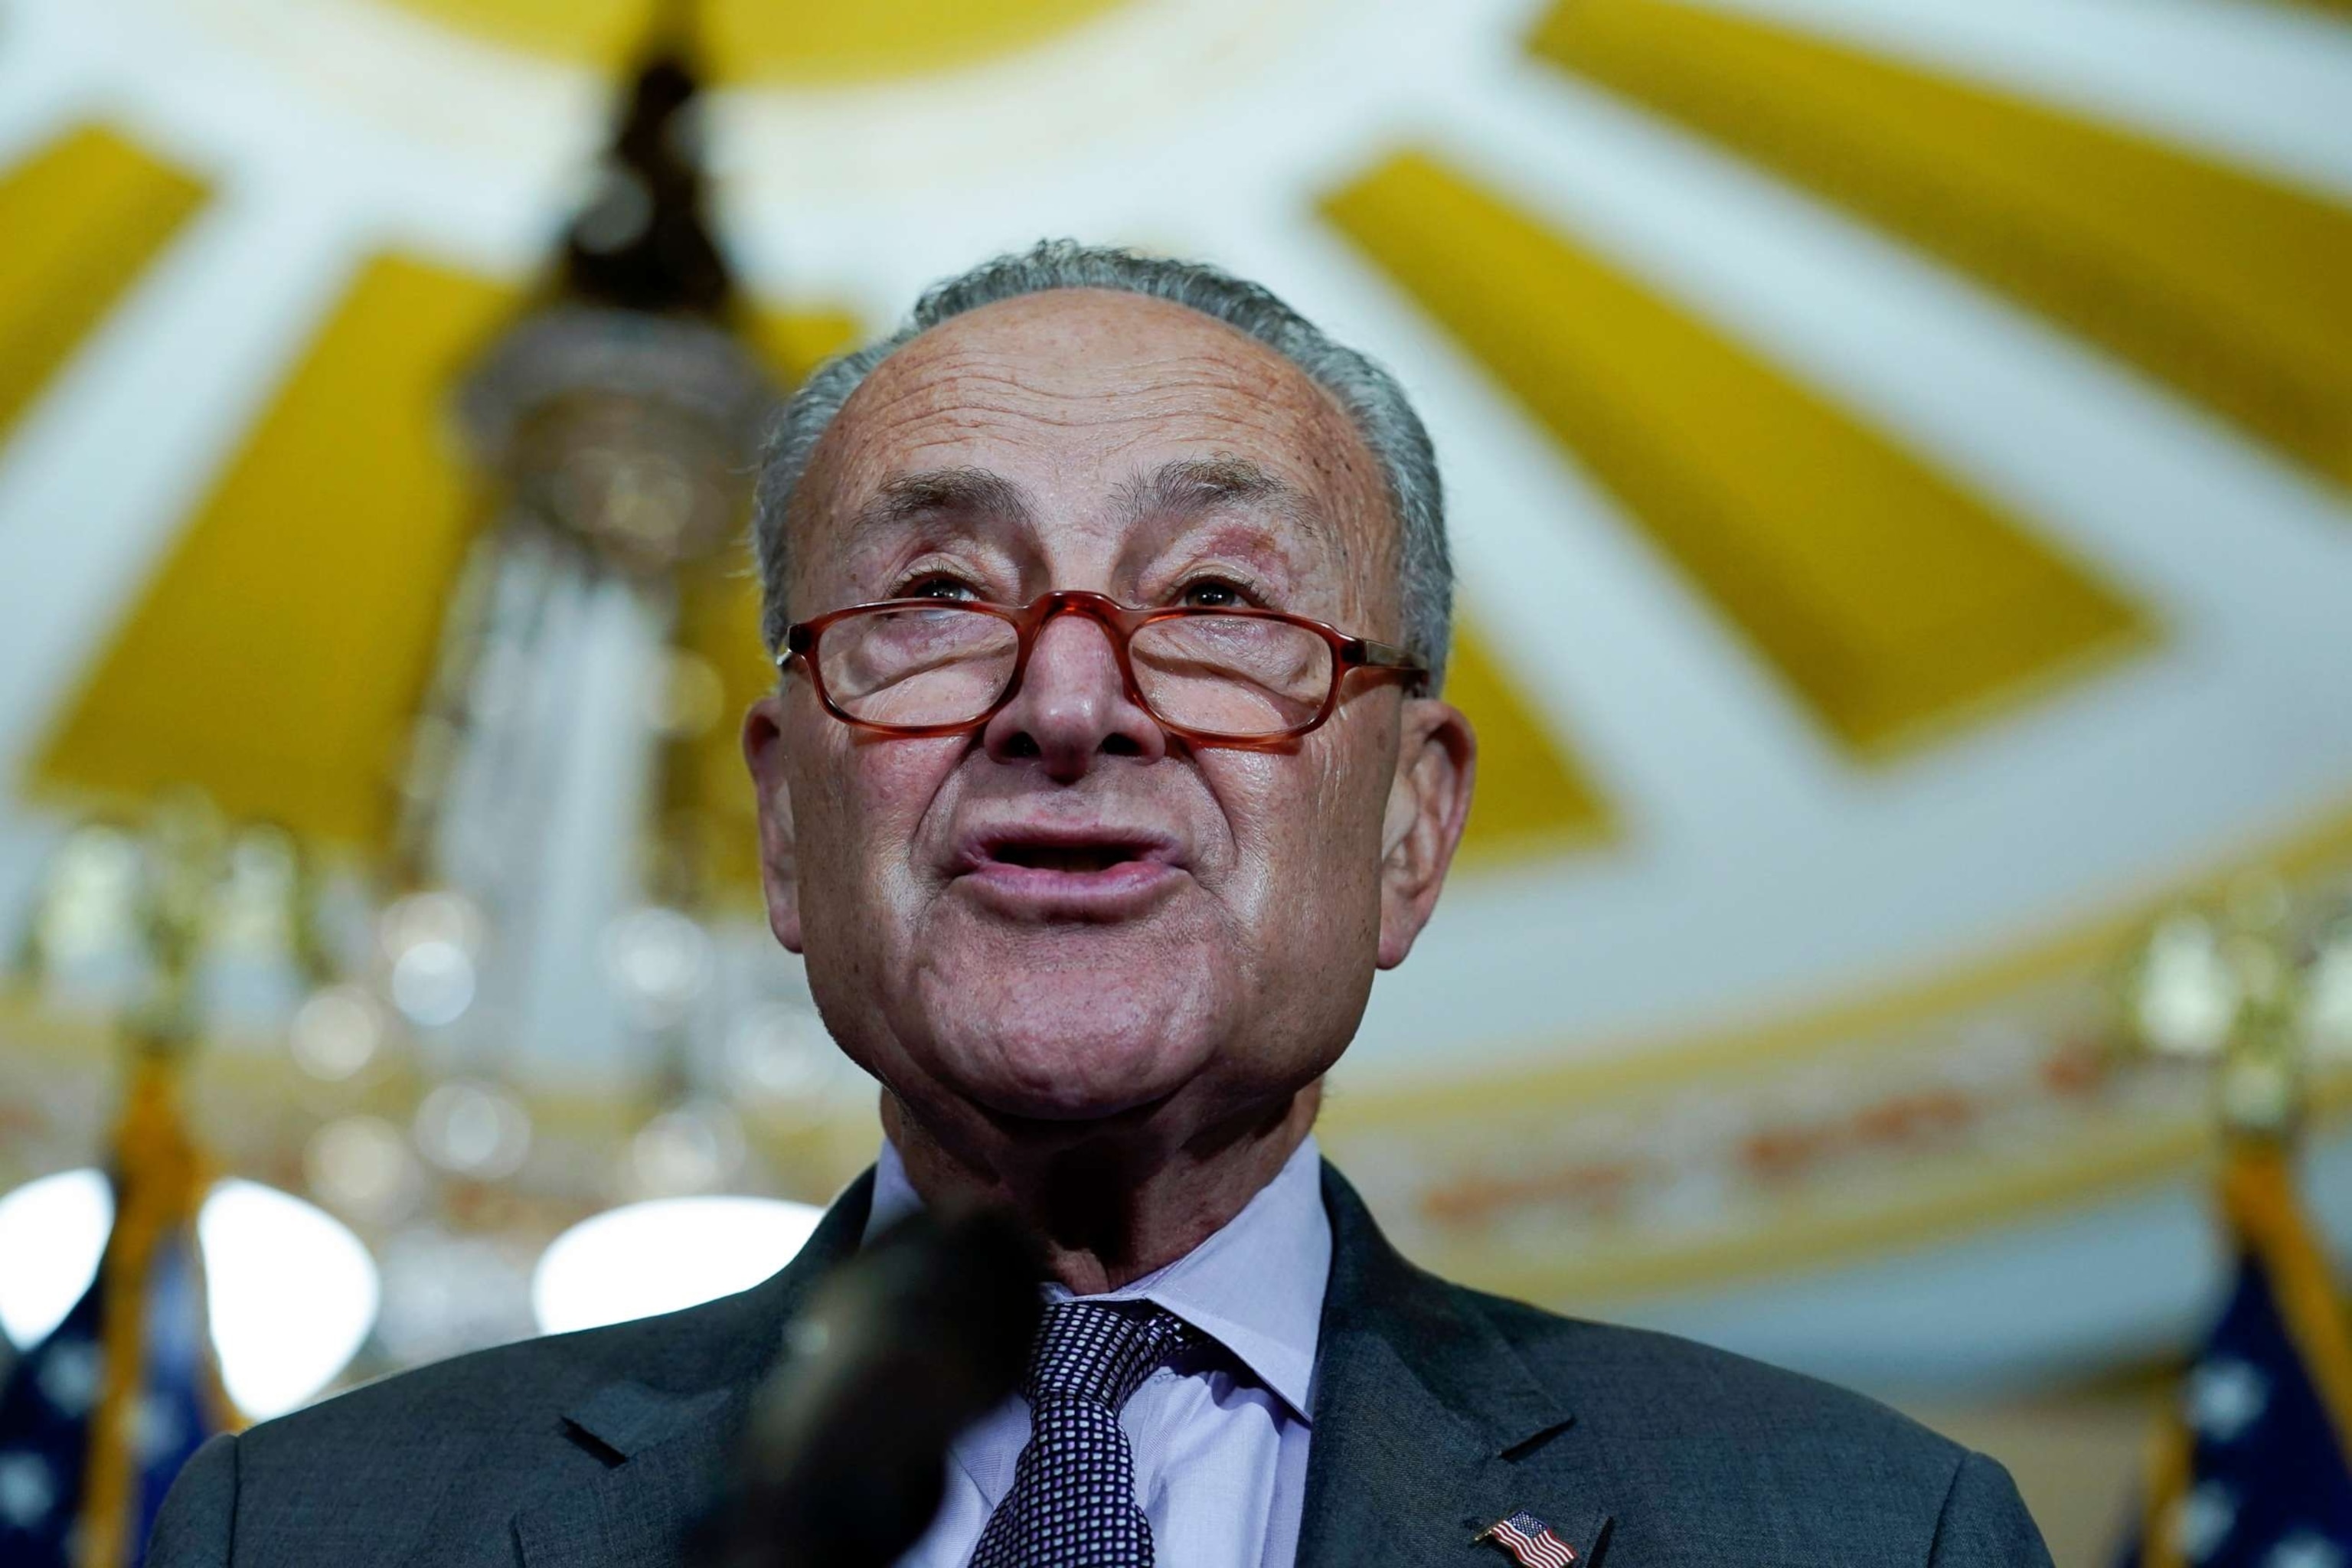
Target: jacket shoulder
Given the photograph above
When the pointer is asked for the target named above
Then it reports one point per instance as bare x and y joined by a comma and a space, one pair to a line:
1708, 1456
450, 1452
490, 1392
1661, 1385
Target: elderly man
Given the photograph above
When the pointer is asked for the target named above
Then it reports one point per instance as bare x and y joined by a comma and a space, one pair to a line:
1106, 765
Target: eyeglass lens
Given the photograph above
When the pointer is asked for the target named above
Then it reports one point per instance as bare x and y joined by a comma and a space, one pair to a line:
1236, 675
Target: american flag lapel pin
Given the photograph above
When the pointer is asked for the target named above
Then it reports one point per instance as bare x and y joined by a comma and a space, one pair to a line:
1529, 1540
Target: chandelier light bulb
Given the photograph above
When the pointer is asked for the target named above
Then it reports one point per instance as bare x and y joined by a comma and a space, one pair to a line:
779, 1054
2327, 997
661, 964
473, 1128
436, 915
2188, 996
433, 984
362, 1166
336, 1032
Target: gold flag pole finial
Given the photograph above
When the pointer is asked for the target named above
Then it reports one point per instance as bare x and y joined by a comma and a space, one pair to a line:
2256, 990
2262, 1079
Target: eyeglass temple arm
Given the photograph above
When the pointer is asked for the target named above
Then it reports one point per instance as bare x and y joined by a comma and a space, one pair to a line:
1370, 655
1363, 653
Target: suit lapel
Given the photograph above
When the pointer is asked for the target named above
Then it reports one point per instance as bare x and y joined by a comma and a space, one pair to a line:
1420, 1406
669, 1448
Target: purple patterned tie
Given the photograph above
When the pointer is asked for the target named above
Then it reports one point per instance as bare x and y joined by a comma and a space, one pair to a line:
1072, 1499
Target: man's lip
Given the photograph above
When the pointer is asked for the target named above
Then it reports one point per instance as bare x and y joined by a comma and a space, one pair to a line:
1047, 871
1063, 849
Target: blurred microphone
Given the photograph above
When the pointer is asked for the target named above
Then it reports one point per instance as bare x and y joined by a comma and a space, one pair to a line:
845, 1452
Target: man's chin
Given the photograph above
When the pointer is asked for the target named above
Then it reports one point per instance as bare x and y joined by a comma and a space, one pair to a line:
1073, 1079
1069, 1047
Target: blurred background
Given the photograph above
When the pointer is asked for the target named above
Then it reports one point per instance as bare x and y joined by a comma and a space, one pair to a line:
1901, 470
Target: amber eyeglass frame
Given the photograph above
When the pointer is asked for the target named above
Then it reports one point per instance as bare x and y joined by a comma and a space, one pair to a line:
1121, 623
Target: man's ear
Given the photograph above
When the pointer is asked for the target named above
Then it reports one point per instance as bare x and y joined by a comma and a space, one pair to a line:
1429, 801
764, 750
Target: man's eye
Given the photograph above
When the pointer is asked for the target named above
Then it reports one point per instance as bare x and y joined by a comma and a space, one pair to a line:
1213, 594
936, 585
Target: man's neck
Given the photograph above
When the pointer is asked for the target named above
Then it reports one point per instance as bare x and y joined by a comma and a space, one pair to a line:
1103, 1213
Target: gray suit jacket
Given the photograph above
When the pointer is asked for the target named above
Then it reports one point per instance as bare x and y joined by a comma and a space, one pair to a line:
1437, 1411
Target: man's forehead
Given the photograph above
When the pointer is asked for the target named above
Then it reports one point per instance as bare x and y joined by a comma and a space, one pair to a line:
1071, 374
1179, 490
1079, 329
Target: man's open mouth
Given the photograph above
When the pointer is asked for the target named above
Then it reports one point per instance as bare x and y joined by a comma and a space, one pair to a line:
1091, 871
1077, 859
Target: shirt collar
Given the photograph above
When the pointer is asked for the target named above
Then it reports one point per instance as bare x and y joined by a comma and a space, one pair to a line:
1255, 1286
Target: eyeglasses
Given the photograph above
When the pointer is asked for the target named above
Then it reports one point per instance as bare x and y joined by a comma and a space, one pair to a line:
938, 666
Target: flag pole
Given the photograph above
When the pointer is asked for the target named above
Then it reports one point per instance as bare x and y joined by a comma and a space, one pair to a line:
2264, 1072
2268, 1219
157, 1175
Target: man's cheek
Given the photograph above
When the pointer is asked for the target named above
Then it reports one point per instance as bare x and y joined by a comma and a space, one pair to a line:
894, 812
899, 776
1263, 873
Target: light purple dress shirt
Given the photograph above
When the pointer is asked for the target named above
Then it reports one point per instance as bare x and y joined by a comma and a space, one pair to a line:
1219, 1452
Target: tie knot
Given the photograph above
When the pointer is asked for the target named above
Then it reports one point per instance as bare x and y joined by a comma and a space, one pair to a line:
1095, 1351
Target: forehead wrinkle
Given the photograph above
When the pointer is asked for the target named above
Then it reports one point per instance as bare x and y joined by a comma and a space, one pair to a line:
1187, 488
1150, 407
978, 378
1055, 362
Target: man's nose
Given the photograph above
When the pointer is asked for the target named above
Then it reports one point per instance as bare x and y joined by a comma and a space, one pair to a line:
1073, 708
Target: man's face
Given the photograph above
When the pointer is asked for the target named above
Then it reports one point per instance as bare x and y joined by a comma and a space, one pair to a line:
1069, 914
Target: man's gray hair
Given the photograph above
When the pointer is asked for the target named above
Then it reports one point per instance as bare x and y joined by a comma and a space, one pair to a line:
1370, 397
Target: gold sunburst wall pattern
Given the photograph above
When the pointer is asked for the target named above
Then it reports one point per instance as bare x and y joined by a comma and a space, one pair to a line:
1898, 457
2230, 287
1886, 595
798, 42
88, 210
346, 561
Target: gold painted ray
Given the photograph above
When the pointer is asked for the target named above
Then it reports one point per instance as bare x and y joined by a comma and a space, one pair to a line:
795, 42
1533, 798
2235, 290
83, 217
1892, 601
277, 655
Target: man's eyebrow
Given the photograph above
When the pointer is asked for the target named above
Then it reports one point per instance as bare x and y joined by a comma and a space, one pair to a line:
975, 493
1201, 484
1192, 485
